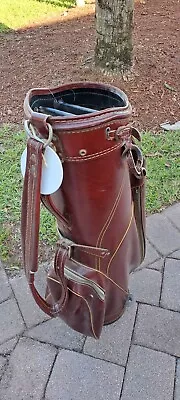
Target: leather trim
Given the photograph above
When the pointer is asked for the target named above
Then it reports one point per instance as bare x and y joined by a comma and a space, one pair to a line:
106, 276
109, 219
90, 312
77, 294
92, 156
122, 239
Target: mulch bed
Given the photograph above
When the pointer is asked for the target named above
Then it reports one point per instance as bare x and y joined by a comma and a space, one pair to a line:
62, 51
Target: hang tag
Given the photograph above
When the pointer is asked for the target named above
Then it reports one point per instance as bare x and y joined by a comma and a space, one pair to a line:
52, 170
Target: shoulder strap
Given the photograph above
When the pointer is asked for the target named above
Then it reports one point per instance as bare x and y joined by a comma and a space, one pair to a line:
30, 221
30, 209
30, 217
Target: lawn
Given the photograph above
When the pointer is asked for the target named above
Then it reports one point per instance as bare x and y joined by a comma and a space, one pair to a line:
16, 14
163, 188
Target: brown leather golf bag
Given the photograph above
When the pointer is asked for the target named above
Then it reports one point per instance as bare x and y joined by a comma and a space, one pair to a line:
99, 207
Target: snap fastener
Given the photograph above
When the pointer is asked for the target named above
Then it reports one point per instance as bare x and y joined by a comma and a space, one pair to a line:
82, 152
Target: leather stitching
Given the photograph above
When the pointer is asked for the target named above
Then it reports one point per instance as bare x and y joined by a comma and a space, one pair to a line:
91, 254
30, 213
95, 155
90, 312
41, 300
61, 258
109, 219
102, 273
122, 239
47, 200
124, 113
109, 115
70, 121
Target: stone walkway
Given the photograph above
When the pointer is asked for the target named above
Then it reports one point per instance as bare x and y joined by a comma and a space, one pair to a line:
136, 358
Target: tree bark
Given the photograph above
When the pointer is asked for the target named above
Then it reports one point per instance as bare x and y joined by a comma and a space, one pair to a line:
114, 27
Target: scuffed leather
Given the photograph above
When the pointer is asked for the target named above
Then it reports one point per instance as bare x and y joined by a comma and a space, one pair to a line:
99, 205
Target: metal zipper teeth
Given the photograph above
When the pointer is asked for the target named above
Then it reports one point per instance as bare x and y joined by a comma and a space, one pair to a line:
73, 276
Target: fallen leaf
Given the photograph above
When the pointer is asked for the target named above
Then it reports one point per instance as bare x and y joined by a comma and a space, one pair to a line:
169, 87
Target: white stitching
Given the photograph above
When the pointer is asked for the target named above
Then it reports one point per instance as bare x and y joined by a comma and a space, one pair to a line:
29, 214
96, 127
100, 154
110, 218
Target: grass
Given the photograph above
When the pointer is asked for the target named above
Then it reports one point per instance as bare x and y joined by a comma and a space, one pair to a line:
163, 169
163, 187
16, 14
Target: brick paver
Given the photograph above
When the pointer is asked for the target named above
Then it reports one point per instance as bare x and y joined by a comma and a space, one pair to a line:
151, 255
146, 286
175, 254
5, 289
31, 313
162, 234
158, 329
2, 363
173, 214
77, 376
149, 375
27, 372
157, 265
177, 383
11, 322
170, 298
136, 357
8, 346
56, 332
115, 339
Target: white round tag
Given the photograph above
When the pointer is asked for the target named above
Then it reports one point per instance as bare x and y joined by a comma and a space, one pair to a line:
52, 170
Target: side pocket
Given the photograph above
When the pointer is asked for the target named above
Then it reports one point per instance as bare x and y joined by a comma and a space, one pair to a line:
83, 308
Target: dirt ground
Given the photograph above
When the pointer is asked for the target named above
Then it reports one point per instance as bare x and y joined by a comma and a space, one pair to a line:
62, 51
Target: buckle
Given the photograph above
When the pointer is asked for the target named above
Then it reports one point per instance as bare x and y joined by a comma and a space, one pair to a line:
110, 134
119, 133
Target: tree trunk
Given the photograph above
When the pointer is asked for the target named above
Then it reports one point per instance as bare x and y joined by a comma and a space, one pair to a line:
114, 26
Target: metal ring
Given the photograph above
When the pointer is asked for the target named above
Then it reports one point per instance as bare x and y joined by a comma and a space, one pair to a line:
30, 130
83, 152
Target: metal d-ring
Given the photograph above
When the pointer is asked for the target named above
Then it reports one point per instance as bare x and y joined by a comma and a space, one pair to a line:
30, 130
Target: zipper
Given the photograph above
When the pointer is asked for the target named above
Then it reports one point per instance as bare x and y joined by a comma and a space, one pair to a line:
75, 277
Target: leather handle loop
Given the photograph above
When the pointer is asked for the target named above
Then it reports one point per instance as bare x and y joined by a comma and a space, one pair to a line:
59, 263
42, 303
135, 161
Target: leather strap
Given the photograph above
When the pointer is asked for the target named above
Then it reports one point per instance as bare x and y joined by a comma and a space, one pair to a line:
30, 217
30, 210
30, 221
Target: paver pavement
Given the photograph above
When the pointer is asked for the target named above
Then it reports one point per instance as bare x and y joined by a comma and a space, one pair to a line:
136, 358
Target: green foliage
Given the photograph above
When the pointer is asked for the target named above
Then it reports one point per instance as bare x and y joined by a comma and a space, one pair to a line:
162, 152
18, 14
12, 144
